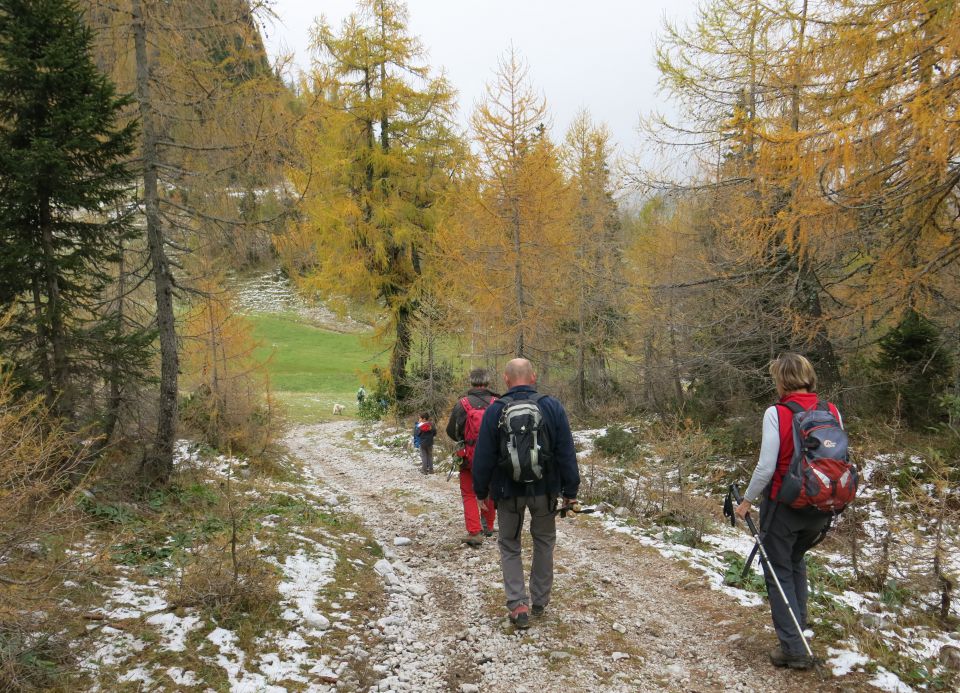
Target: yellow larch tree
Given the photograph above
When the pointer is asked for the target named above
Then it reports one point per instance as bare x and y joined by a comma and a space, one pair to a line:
892, 147
598, 318
378, 150
513, 245
745, 71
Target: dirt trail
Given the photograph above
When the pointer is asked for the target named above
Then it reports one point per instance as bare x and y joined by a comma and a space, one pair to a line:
622, 618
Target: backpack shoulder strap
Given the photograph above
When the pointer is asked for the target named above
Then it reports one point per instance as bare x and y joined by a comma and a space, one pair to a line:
465, 403
792, 406
822, 406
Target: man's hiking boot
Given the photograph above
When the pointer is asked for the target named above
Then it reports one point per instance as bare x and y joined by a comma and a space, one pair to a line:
537, 610
473, 539
782, 659
520, 617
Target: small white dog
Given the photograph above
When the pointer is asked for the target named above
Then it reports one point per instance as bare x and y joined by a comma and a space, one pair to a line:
338, 409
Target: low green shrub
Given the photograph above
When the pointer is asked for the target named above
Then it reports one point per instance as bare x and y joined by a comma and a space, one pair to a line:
753, 581
618, 443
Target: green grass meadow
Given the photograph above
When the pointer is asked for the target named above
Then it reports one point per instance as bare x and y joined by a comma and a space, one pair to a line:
311, 369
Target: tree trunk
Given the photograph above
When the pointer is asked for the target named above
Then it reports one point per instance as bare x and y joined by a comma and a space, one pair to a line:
808, 290
401, 353
518, 283
115, 375
43, 358
431, 364
581, 356
158, 465
821, 350
54, 321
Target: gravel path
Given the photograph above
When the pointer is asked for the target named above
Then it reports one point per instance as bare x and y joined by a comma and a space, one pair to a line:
621, 618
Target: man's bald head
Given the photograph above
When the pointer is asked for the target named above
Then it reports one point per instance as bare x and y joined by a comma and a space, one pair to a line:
519, 372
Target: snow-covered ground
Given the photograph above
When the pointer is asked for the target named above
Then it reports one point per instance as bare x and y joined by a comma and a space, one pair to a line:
292, 655
633, 610
919, 645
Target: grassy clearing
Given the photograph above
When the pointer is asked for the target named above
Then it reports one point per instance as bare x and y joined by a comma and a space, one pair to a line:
310, 368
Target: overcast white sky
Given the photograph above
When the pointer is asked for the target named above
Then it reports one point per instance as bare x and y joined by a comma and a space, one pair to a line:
597, 54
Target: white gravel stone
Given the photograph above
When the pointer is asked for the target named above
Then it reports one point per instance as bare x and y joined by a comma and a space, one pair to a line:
676, 671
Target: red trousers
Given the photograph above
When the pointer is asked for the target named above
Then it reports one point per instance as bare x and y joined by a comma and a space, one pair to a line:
471, 508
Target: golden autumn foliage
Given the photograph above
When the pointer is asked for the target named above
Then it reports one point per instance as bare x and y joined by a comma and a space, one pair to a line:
378, 150
824, 189
230, 402
40, 466
597, 322
511, 244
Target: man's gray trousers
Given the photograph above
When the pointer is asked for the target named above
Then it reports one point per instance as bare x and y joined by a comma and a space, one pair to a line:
543, 529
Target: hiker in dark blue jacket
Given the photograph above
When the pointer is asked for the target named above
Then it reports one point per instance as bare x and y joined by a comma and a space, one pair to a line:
562, 480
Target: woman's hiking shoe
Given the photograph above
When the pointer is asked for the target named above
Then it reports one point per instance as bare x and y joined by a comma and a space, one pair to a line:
537, 610
487, 531
520, 617
782, 659
473, 539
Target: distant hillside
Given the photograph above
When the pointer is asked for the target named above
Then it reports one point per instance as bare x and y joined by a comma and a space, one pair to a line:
226, 30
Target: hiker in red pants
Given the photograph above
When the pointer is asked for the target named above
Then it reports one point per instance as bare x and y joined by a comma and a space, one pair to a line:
463, 427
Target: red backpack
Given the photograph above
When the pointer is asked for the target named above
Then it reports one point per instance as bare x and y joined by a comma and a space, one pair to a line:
820, 475
471, 430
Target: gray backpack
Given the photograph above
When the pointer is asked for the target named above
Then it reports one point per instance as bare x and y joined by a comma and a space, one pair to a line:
524, 440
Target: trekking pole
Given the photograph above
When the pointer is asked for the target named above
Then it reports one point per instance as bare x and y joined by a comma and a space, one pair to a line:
735, 492
455, 461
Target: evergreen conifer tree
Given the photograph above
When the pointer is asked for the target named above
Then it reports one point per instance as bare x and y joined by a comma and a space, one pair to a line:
915, 367
64, 182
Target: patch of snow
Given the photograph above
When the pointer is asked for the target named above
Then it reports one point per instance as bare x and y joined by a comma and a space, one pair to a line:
187, 454
890, 682
584, 440
709, 563
116, 647
129, 599
137, 674
183, 677
231, 659
277, 668
174, 629
304, 576
842, 662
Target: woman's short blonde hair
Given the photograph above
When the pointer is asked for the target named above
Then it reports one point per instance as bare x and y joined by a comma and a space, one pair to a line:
792, 372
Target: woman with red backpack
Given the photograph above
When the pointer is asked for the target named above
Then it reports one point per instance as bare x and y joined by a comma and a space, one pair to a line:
791, 521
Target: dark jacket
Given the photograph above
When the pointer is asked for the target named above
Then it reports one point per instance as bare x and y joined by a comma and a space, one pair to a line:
479, 397
564, 478
424, 438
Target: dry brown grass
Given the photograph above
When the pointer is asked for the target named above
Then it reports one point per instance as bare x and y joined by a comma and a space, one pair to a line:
40, 463
217, 583
231, 404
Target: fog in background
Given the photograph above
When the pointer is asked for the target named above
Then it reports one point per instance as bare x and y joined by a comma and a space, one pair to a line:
597, 54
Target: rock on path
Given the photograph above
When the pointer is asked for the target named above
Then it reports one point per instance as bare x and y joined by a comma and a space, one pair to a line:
622, 618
